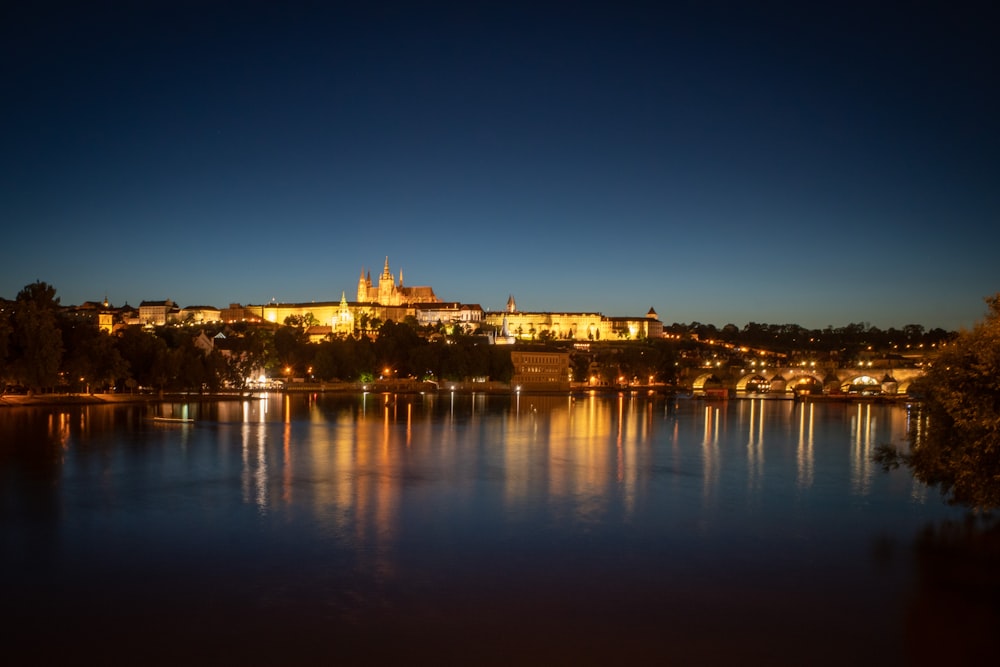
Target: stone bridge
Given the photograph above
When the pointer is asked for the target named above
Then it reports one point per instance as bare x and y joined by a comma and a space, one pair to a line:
801, 378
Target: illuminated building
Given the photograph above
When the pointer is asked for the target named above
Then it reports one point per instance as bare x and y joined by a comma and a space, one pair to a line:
389, 293
540, 371
199, 314
465, 315
158, 313
573, 326
391, 300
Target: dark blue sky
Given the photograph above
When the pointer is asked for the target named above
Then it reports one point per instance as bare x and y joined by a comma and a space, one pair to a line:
721, 162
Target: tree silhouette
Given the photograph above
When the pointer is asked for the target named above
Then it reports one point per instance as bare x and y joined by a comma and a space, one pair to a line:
955, 445
37, 347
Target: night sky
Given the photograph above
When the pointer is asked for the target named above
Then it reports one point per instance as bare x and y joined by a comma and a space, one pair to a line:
809, 163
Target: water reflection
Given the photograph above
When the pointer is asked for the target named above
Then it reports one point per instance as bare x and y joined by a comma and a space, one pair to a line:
861, 448
755, 445
255, 470
710, 445
556, 518
804, 453
575, 451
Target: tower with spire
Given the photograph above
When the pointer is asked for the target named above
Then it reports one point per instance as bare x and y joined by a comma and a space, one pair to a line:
387, 286
389, 292
364, 286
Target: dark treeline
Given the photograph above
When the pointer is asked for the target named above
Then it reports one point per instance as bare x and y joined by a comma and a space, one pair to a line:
45, 347
844, 344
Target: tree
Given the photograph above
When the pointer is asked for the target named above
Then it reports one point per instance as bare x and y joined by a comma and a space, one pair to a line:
362, 322
92, 360
252, 354
394, 346
955, 444
301, 321
36, 340
6, 311
291, 344
580, 365
140, 350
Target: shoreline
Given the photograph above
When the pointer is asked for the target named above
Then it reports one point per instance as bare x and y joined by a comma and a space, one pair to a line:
20, 400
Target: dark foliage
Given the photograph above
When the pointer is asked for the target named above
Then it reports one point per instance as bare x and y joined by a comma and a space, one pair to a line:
955, 440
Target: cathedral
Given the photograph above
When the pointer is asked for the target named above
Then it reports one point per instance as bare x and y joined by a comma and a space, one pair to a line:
389, 293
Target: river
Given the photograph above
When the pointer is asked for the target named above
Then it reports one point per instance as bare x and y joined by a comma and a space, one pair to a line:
475, 529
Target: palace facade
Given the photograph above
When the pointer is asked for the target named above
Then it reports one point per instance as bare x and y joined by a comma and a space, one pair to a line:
514, 325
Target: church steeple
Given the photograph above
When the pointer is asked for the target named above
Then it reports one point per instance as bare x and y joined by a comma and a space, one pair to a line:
363, 286
343, 321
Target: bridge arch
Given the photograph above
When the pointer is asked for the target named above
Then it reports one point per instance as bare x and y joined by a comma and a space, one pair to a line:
706, 379
861, 384
753, 382
805, 384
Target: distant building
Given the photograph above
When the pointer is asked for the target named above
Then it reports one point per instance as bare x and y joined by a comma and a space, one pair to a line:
465, 315
158, 313
342, 321
237, 313
200, 314
502, 335
389, 300
528, 326
129, 315
204, 343
390, 293
100, 313
540, 371
318, 333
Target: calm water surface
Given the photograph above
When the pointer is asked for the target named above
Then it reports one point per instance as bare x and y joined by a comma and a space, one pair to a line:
468, 530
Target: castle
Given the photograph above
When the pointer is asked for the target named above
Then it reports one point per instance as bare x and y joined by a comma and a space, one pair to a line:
391, 300
388, 293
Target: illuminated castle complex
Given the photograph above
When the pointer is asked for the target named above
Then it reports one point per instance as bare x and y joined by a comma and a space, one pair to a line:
388, 293
391, 300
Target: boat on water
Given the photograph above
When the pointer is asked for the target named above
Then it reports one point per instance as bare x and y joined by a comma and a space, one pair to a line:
173, 420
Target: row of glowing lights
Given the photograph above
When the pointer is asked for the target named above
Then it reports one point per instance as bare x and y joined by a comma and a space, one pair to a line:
811, 364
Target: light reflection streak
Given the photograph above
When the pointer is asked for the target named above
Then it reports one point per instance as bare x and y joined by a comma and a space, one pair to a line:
805, 457
619, 454
385, 428
286, 462
245, 477
913, 429
861, 445
710, 450
755, 445
59, 429
409, 424
260, 477
254, 471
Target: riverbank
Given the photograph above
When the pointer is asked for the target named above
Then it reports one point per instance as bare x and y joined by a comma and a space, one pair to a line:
19, 400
